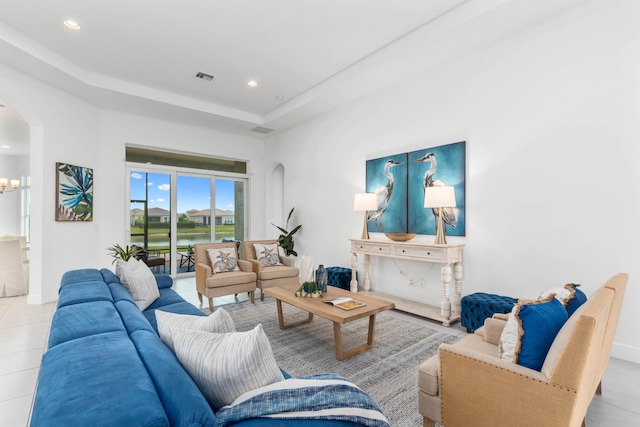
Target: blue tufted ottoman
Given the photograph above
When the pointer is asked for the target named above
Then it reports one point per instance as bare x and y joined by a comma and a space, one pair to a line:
340, 277
479, 306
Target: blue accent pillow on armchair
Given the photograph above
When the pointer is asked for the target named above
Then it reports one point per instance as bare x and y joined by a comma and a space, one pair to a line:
577, 300
530, 330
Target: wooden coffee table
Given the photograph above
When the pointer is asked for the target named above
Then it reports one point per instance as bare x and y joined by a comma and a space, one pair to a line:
337, 315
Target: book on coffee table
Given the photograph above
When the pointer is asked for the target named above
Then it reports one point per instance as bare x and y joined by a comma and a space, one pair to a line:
345, 303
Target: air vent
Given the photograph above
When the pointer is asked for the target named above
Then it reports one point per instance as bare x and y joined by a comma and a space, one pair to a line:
204, 76
261, 129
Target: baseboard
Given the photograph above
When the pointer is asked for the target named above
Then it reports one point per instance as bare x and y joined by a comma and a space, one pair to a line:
40, 299
625, 352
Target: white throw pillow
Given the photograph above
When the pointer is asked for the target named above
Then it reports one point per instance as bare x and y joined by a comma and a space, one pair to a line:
223, 259
219, 322
267, 254
136, 277
509, 344
226, 365
563, 294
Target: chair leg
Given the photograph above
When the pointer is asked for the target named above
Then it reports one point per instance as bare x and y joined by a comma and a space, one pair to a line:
252, 297
200, 297
211, 305
426, 422
599, 389
261, 295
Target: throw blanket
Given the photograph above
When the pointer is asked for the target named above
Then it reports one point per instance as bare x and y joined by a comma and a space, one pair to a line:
320, 396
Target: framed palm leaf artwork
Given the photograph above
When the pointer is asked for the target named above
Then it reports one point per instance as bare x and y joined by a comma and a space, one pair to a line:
74, 193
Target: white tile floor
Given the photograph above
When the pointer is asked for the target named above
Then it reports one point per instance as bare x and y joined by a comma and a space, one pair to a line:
24, 329
23, 336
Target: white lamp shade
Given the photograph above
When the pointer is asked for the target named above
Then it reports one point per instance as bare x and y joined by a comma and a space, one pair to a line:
4, 182
365, 202
440, 197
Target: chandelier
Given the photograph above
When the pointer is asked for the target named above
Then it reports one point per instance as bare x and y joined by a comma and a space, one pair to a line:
4, 183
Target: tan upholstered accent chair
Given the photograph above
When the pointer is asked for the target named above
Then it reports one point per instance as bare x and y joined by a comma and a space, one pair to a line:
467, 384
212, 284
277, 275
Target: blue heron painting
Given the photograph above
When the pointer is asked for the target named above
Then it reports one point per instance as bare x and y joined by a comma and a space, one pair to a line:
437, 166
387, 179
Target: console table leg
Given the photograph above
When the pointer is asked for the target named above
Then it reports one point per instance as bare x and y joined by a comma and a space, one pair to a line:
354, 265
367, 281
445, 305
457, 296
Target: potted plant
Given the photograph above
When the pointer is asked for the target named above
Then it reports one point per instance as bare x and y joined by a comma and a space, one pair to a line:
118, 252
285, 241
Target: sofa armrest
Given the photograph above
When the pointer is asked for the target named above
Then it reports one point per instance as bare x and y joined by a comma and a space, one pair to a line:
473, 387
493, 329
163, 281
288, 261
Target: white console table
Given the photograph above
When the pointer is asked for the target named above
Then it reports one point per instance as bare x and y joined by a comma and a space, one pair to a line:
448, 256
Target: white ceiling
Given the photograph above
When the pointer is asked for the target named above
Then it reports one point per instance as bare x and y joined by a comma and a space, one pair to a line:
308, 56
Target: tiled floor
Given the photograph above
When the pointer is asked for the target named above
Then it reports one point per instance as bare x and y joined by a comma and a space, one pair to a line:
23, 335
24, 330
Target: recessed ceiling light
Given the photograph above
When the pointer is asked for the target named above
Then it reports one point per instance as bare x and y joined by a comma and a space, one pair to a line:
6, 146
252, 83
72, 25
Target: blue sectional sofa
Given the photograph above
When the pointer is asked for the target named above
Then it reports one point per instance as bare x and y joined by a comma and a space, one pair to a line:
106, 365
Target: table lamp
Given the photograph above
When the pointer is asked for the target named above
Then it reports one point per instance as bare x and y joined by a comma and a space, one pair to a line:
440, 197
365, 202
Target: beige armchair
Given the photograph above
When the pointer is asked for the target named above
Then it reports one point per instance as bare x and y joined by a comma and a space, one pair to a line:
212, 284
276, 275
467, 384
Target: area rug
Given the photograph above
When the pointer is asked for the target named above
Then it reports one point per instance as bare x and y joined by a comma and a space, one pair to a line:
387, 371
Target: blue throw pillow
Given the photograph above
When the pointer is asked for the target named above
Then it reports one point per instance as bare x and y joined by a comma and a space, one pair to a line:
531, 328
569, 295
576, 300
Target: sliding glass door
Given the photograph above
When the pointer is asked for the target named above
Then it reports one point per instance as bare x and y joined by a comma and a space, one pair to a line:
229, 202
150, 216
170, 211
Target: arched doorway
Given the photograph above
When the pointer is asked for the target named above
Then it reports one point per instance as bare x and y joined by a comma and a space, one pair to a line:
15, 188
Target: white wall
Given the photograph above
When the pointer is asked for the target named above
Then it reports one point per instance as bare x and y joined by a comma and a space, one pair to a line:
551, 123
66, 129
119, 129
63, 129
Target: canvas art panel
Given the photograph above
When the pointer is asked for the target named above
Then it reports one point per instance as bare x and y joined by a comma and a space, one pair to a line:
387, 179
436, 166
74, 193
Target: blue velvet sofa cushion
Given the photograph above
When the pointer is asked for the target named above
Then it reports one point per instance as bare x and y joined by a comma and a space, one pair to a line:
74, 293
132, 318
82, 320
182, 400
80, 378
81, 275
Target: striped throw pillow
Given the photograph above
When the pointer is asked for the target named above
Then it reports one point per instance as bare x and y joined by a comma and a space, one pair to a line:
219, 322
226, 365
136, 277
